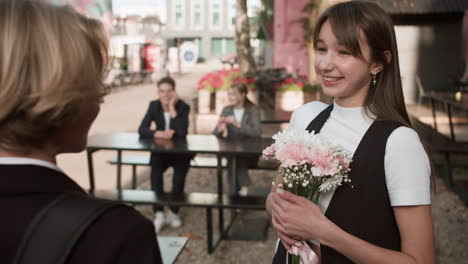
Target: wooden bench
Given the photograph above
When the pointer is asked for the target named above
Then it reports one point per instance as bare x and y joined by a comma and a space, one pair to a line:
209, 201
196, 162
440, 144
134, 161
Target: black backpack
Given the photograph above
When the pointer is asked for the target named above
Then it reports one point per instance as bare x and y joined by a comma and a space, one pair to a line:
56, 228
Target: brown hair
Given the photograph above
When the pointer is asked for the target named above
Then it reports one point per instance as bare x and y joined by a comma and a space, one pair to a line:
242, 89
167, 80
52, 66
385, 100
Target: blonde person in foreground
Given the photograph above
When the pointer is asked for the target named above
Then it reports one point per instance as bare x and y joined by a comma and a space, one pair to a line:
52, 65
385, 215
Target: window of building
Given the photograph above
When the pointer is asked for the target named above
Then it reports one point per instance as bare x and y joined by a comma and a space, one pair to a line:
232, 14
253, 7
216, 47
197, 14
230, 46
178, 14
222, 46
215, 14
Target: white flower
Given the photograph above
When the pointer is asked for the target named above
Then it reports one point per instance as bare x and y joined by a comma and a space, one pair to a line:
331, 183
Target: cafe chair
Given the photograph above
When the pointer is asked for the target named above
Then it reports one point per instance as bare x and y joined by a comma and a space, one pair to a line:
421, 91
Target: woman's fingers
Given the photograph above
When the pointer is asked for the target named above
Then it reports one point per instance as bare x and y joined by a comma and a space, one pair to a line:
292, 198
279, 202
282, 233
277, 223
277, 206
286, 240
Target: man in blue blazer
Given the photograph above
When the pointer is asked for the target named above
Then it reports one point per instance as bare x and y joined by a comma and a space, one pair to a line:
171, 116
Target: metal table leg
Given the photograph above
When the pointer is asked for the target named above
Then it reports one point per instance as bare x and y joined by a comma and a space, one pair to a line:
234, 173
219, 171
448, 178
134, 180
119, 169
89, 154
219, 174
449, 112
434, 113
209, 231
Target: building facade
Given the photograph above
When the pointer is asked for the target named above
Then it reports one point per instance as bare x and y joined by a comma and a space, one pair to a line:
210, 24
289, 37
429, 37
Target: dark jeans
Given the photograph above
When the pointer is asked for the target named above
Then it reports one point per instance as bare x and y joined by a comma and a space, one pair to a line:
159, 164
243, 178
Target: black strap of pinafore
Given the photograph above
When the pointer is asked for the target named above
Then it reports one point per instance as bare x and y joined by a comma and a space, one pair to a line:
315, 125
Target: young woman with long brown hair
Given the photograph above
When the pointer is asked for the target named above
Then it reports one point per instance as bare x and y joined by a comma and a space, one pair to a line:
385, 215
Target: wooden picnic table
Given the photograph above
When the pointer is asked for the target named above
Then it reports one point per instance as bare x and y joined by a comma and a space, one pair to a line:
448, 149
449, 101
192, 144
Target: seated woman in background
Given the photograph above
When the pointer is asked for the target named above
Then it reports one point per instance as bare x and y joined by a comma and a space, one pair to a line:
239, 119
52, 67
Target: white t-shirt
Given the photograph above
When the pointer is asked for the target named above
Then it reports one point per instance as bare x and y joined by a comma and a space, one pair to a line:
167, 120
238, 113
407, 167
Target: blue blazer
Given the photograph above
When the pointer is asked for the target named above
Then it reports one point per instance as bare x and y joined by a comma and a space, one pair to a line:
155, 114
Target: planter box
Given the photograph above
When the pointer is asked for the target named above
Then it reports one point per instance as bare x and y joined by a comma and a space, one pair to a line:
221, 101
253, 95
288, 100
204, 102
309, 97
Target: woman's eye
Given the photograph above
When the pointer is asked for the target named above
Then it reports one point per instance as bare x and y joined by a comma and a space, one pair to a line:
344, 52
321, 49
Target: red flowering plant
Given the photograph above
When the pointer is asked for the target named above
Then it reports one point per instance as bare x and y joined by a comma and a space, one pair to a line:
248, 81
294, 82
218, 80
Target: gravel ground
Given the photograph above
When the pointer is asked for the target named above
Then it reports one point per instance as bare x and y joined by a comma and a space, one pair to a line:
450, 224
204, 180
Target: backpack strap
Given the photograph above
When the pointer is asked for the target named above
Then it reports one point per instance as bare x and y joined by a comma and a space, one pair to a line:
57, 227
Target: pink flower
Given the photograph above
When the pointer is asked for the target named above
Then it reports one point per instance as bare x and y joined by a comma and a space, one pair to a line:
269, 152
324, 164
292, 154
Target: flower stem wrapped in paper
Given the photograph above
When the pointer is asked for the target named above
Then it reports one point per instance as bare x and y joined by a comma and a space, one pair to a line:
310, 164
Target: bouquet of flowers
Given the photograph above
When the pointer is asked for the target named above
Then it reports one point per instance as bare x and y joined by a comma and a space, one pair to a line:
310, 163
